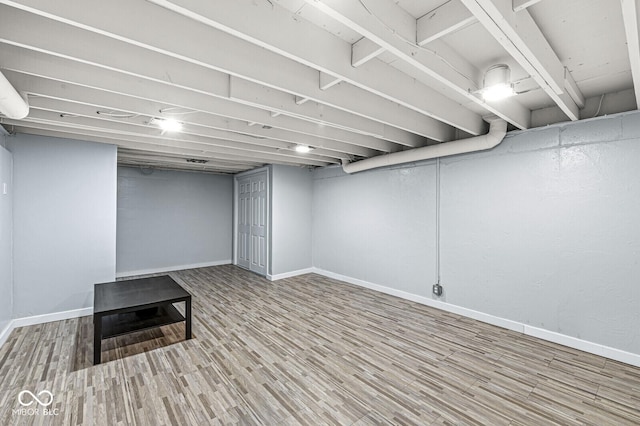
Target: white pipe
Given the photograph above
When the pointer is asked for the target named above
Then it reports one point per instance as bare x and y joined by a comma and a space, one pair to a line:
12, 105
497, 132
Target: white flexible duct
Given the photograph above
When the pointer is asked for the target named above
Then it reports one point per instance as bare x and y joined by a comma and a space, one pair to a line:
497, 132
12, 105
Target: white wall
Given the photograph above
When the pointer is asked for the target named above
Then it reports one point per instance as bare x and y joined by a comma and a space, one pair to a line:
171, 220
64, 222
291, 197
543, 230
6, 231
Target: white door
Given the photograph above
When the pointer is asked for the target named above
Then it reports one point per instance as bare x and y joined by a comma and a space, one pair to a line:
252, 217
244, 222
259, 224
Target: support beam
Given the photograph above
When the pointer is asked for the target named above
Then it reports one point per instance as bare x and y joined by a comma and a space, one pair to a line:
520, 5
330, 55
463, 79
572, 89
277, 71
151, 159
195, 123
521, 37
364, 50
157, 144
115, 84
141, 128
443, 20
128, 142
327, 81
167, 68
630, 11
210, 160
256, 95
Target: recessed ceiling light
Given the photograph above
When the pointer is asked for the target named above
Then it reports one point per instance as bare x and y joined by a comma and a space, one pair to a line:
303, 149
168, 124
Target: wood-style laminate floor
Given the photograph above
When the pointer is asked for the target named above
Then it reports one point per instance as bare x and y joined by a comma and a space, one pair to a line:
310, 350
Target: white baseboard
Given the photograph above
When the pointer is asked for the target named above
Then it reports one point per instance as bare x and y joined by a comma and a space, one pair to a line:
290, 274
41, 319
171, 268
56, 316
550, 336
4, 334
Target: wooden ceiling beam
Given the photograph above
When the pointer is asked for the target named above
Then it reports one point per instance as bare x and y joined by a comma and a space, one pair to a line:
374, 22
630, 14
523, 40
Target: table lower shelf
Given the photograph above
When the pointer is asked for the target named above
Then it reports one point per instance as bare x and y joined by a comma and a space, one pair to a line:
129, 322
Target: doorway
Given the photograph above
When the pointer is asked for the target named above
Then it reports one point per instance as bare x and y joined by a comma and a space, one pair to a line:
252, 221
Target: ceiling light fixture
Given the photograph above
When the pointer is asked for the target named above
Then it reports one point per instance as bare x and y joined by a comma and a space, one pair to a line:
168, 124
303, 149
497, 84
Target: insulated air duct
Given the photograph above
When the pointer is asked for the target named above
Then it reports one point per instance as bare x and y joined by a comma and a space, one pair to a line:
497, 132
12, 105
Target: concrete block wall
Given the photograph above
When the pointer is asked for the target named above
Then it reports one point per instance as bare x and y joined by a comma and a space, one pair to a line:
539, 232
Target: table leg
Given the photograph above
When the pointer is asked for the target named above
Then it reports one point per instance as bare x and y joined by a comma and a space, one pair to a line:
97, 339
187, 315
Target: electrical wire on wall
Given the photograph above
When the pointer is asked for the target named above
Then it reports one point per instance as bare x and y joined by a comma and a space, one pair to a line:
438, 221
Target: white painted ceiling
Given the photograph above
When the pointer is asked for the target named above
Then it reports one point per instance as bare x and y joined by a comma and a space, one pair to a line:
251, 79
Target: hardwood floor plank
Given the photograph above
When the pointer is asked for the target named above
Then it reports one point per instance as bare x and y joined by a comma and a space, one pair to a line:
309, 350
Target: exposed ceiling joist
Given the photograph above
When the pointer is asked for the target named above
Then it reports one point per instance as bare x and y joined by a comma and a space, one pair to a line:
519, 5
364, 50
250, 80
372, 19
521, 37
253, 94
327, 81
141, 158
271, 149
443, 20
157, 144
329, 55
115, 85
73, 100
229, 55
78, 134
219, 137
230, 165
630, 14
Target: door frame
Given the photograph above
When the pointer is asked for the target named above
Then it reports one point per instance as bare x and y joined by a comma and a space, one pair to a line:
266, 170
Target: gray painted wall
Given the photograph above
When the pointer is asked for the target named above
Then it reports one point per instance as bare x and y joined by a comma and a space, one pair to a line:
64, 222
6, 237
171, 220
542, 230
291, 198
377, 226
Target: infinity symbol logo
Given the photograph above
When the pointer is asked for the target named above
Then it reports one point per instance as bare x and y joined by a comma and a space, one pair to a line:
35, 398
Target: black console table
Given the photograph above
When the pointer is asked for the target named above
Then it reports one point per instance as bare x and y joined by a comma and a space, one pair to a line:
128, 306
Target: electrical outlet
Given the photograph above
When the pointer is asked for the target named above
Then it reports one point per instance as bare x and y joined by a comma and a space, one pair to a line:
4, 188
437, 289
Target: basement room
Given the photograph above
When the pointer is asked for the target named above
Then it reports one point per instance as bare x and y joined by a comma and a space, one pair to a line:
319, 212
